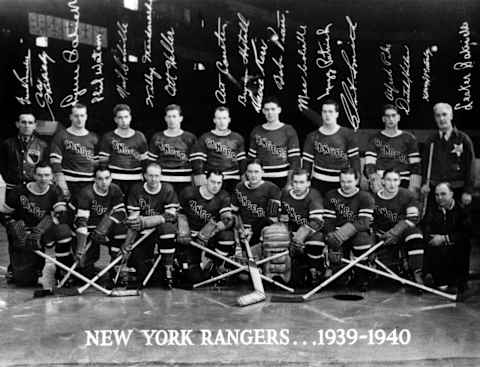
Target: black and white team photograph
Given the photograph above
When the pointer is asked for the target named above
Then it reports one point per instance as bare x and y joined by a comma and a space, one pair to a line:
240, 183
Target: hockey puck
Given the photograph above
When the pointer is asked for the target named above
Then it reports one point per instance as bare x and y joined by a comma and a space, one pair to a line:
348, 297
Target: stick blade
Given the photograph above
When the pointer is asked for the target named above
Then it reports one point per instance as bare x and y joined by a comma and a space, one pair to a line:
287, 298
63, 292
40, 293
124, 293
251, 298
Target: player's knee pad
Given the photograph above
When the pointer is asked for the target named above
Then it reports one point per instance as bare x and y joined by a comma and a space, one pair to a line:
414, 246
361, 242
117, 234
315, 245
166, 238
276, 239
224, 242
63, 239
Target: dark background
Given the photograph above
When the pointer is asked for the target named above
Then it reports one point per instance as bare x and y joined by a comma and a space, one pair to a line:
416, 23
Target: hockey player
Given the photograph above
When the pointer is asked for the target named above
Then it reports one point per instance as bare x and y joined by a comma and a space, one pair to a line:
302, 208
348, 215
220, 149
392, 148
256, 201
275, 145
395, 221
329, 149
152, 204
124, 149
206, 217
100, 213
36, 218
172, 149
73, 154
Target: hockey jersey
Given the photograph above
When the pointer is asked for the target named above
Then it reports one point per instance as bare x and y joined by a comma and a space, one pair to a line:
399, 152
251, 204
74, 155
225, 153
30, 206
300, 209
173, 154
200, 210
124, 155
326, 155
389, 212
278, 150
144, 202
356, 208
91, 205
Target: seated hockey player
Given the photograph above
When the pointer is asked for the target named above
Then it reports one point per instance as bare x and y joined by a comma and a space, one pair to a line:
395, 220
348, 215
302, 208
206, 217
100, 214
35, 219
152, 204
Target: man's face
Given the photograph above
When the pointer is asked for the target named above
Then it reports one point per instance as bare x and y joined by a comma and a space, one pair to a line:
254, 173
103, 179
348, 183
391, 182
173, 119
443, 117
123, 119
26, 124
221, 120
390, 118
443, 196
43, 176
329, 114
214, 183
153, 176
300, 184
78, 117
271, 111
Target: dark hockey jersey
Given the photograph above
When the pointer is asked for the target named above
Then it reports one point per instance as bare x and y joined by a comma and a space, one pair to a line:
399, 152
340, 208
326, 155
24, 203
300, 209
75, 156
144, 202
124, 155
251, 204
173, 154
92, 205
226, 153
389, 212
278, 150
200, 210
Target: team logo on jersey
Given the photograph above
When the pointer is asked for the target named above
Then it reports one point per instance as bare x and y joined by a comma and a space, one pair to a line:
245, 202
326, 149
292, 214
343, 210
122, 148
97, 208
33, 156
170, 150
199, 210
386, 213
387, 151
220, 148
145, 208
269, 146
31, 207
79, 149
457, 149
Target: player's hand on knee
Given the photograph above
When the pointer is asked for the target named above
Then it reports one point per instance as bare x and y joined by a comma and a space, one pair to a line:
425, 189
466, 198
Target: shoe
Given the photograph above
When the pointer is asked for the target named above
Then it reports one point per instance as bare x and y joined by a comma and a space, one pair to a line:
168, 276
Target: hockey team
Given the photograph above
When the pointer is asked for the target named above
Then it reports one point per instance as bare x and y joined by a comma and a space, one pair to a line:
316, 205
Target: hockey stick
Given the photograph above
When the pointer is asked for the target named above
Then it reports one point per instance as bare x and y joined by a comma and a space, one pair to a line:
394, 276
306, 296
258, 295
150, 273
74, 266
429, 174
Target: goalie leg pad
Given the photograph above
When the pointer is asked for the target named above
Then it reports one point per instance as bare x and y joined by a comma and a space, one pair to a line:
183, 230
17, 232
276, 238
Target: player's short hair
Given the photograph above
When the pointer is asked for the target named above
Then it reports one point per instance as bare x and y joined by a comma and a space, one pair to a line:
349, 171
173, 107
152, 164
102, 167
391, 170
216, 172
443, 104
222, 109
121, 107
331, 102
25, 111
42, 165
300, 172
389, 106
255, 161
446, 184
271, 99
78, 106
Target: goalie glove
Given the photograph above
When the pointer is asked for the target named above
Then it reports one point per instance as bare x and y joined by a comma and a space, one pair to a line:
375, 182
18, 232
208, 231
200, 180
394, 234
139, 223
34, 238
341, 235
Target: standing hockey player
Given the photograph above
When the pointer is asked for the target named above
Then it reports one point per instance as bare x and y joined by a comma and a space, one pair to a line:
329, 149
206, 217
152, 204
395, 221
124, 149
348, 215
172, 149
31, 209
395, 149
220, 149
275, 145
73, 154
302, 207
